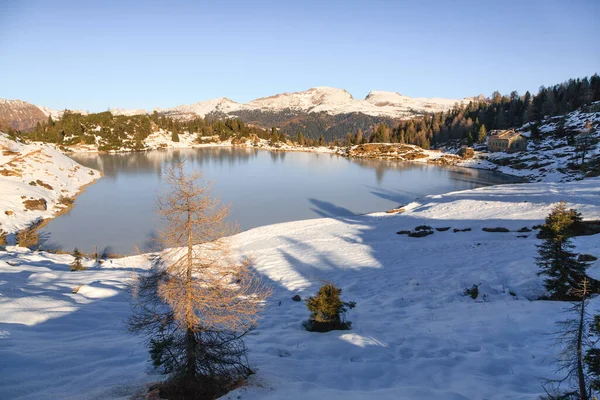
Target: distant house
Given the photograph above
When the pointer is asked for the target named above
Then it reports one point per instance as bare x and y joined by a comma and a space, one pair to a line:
508, 141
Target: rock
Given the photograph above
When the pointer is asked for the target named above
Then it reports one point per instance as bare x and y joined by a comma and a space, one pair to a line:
462, 230
444, 229
522, 236
524, 229
495, 230
419, 234
297, 298
37, 205
423, 228
402, 232
9, 212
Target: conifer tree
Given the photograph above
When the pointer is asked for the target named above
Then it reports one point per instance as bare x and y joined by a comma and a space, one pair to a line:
198, 301
327, 310
482, 134
321, 140
77, 265
556, 261
174, 136
300, 139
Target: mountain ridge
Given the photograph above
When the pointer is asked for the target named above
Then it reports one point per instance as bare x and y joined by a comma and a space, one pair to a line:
276, 110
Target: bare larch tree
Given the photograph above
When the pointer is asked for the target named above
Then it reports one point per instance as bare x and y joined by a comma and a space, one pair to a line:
199, 300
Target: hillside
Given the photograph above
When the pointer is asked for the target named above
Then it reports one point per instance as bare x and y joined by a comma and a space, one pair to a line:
555, 154
21, 115
36, 182
65, 328
322, 110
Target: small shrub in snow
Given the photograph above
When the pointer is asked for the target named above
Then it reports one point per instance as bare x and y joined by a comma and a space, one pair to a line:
77, 265
28, 237
473, 291
327, 310
66, 201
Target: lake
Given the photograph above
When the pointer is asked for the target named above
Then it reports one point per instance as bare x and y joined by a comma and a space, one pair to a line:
117, 212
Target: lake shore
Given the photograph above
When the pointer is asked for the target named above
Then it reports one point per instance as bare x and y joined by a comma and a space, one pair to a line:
411, 312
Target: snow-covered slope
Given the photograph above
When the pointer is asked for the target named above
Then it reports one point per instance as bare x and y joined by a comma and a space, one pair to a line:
552, 158
320, 99
414, 336
39, 173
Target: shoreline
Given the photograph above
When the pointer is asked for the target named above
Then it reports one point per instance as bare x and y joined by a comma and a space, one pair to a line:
415, 284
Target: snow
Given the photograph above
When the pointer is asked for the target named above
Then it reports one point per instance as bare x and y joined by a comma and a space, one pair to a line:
23, 164
319, 99
549, 159
415, 335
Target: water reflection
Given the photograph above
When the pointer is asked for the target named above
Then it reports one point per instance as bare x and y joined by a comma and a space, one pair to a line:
263, 188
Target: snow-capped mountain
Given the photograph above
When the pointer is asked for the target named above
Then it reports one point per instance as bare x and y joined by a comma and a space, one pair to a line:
321, 99
267, 111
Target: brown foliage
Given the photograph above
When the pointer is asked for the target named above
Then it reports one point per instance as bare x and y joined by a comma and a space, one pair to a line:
200, 299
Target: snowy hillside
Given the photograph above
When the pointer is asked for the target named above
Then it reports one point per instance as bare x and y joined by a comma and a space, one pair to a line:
415, 335
33, 178
555, 156
321, 99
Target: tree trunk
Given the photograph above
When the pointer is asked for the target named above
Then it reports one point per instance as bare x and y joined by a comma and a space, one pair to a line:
190, 354
580, 374
190, 338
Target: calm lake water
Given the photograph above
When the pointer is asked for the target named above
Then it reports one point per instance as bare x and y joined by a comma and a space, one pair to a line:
117, 212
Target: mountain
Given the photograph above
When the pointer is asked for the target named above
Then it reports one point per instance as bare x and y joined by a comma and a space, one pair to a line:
320, 110
21, 115
317, 100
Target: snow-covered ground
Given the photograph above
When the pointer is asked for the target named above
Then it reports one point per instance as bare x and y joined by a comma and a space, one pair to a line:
548, 159
415, 335
36, 172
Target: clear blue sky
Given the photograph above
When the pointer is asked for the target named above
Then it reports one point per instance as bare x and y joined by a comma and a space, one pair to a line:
92, 55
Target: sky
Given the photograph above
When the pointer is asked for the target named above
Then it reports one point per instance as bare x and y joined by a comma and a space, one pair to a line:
95, 55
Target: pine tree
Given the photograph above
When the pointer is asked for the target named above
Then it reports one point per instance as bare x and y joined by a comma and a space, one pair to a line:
327, 310
174, 136
300, 139
321, 140
77, 265
556, 260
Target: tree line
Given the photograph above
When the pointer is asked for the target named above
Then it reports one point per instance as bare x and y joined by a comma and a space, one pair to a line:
470, 122
111, 132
